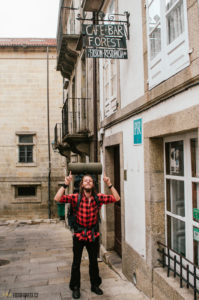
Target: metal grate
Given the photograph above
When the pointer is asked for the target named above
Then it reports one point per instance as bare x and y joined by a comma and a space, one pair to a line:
75, 116
180, 266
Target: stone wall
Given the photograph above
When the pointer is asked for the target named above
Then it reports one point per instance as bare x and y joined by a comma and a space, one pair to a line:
23, 110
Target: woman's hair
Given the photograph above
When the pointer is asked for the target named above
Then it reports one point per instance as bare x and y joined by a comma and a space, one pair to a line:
80, 185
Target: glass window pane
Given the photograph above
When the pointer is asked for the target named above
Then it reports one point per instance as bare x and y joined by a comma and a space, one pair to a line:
22, 154
175, 22
195, 200
194, 157
22, 159
196, 245
176, 235
175, 197
154, 14
24, 191
169, 3
25, 153
155, 42
175, 158
154, 28
26, 139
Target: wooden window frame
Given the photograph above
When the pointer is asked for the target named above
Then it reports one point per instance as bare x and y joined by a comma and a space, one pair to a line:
172, 57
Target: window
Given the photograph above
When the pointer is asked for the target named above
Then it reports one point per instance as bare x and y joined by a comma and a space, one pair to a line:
167, 39
25, 148
182, 195
110, 78
25, 191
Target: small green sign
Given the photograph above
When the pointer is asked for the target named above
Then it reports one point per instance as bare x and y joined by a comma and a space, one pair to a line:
196, 214
196, 234
137, 132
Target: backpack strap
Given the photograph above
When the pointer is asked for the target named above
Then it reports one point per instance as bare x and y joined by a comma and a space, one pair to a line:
78, 202
98, 206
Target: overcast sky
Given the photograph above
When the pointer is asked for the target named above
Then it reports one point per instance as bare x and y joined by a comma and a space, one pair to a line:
28, 18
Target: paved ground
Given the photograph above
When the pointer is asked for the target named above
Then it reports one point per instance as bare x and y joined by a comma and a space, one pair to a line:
40, 258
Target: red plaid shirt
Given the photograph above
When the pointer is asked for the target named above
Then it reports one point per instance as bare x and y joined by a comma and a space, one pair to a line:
87, 214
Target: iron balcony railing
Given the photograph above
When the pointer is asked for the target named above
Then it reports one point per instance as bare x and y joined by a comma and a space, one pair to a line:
181, 267
75, 118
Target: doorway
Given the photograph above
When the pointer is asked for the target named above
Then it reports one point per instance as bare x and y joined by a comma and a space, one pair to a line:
117, 205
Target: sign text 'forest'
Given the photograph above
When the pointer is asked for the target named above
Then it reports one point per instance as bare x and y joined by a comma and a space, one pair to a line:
105, 41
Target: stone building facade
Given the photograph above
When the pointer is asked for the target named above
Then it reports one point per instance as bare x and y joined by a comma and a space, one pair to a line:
29, 84
147, 125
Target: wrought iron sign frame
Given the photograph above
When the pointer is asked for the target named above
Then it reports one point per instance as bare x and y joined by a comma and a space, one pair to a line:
111, 18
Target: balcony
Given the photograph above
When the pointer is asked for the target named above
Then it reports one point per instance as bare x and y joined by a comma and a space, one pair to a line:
92, 5
63, 148
73, 134
68, 34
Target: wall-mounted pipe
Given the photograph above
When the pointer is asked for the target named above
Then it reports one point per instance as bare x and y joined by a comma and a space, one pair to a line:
48, 128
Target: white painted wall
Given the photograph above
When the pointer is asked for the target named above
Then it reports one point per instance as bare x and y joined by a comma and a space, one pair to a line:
134, 198
133, 188
178, 103
132, 69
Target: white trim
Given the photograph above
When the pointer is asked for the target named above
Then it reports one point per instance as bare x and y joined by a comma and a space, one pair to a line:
188, 179
172, 58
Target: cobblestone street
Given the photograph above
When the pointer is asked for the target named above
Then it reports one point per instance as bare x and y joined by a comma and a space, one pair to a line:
39, 256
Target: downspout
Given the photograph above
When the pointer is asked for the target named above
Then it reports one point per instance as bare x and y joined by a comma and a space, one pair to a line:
95, 112
95, 120
48, 127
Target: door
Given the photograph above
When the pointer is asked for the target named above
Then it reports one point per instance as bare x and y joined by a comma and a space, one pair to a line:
117, 208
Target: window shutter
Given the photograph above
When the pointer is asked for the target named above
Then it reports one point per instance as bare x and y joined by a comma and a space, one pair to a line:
174, 54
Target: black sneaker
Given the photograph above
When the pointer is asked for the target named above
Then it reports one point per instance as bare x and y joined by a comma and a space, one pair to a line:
95, 289
76, 293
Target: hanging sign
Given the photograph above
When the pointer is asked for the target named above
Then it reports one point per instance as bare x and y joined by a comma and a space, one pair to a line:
105, 41
106, 53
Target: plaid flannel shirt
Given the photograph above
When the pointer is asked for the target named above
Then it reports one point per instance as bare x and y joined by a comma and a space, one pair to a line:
87, 214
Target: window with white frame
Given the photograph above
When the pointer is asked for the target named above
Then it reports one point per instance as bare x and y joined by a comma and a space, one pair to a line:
25, 147
182, 195
110, 78
168, 50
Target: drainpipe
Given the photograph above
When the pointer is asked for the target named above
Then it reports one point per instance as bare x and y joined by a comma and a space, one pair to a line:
48, 127
95, 120
95, 113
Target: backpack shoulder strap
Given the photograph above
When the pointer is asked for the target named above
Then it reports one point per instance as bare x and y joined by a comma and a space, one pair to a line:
97, 200
78, 201
98, 206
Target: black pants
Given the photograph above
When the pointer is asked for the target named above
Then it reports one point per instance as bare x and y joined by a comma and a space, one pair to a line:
92, 249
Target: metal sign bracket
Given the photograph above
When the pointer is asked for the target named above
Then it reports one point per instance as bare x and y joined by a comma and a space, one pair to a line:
110, 18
